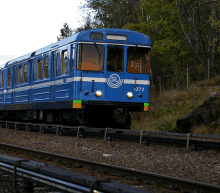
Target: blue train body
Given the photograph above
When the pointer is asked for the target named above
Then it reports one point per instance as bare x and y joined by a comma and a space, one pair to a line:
97, 75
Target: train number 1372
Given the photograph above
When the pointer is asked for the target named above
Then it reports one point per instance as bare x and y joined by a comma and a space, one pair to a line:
138, 88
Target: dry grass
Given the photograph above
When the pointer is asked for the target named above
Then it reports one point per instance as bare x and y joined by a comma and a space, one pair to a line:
203, 129
165, 110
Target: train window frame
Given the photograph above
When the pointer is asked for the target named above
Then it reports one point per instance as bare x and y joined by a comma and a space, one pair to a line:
140, 68
2, 78
9, 78
20, 74
110, 66
63, 69
25, 73
39, 64
53, 64
80, 57
57, 61
3, 74
33, 70
45, 67
72, 58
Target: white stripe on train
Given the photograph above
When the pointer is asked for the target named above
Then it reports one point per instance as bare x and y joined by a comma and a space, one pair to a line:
73, 79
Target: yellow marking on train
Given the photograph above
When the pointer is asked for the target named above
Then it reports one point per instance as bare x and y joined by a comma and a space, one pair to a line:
77, 105
146, 108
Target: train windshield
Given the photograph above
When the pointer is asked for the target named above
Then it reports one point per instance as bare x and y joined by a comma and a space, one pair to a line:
138, 60
90, 57
115, 57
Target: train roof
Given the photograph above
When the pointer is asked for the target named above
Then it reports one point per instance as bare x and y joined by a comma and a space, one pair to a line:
134, 38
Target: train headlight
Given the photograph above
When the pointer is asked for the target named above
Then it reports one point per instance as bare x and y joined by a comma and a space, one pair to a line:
130, 95
98, 93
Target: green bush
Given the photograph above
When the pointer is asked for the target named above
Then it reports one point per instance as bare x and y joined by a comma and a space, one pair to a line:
166, 126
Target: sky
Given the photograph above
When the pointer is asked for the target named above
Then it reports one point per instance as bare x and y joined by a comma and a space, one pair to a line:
27, 25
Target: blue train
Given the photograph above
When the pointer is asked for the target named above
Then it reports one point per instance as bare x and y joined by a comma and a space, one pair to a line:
95, 77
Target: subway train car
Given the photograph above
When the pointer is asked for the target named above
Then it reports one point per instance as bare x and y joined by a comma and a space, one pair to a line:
94, 78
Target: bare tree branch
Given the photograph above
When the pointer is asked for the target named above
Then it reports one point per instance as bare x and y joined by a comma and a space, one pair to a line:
181, 23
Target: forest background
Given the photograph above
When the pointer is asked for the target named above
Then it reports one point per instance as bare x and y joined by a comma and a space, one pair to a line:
183, 32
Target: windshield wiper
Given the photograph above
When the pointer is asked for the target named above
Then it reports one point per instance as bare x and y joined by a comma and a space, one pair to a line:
134, 51
98, 52
113, 51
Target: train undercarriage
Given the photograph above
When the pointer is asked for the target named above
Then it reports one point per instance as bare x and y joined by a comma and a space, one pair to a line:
92, 116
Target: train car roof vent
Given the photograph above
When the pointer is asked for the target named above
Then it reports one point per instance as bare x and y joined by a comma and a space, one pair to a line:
33, 53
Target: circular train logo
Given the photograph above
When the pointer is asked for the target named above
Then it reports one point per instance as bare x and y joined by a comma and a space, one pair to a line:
114, 81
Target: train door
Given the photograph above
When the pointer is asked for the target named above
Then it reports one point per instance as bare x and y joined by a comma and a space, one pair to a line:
9, 86
115, 73
72, 83
13, 84
61, 85
31, 78
2, 89
54, 72
137, 74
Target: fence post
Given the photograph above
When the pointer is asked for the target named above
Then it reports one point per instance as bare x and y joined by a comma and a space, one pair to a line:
187, 142
160, 85
208, 69
187, 79
57, 130
141, 135
26, 127
172, 82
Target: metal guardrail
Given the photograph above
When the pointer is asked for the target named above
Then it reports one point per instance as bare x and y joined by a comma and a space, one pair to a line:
147, 136
58, 179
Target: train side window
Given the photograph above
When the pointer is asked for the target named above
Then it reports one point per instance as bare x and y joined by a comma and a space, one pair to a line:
57, 64
72, 62
9, 78
1, 85
138, 60
33, 71
54, 64
39, 62
19, 74
0, 79
45, 67
25, 73
64, 62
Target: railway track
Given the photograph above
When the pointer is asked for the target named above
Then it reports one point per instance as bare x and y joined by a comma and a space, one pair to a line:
191, 141
144, 176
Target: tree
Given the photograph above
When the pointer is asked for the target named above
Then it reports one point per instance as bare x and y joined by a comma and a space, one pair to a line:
200, 23
88, 24
66, 31
170, 53
113, 13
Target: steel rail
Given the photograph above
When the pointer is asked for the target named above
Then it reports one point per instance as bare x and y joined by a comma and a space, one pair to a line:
148, 177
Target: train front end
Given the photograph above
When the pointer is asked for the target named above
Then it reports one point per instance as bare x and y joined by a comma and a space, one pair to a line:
112, 76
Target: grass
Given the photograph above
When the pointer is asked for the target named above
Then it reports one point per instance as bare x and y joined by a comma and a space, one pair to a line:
172, 105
